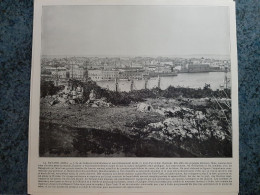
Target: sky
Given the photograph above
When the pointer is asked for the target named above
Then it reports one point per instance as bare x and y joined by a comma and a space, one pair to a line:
135, 30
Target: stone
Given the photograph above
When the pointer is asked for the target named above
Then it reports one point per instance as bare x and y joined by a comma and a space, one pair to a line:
142, 107
72, 101
94, 106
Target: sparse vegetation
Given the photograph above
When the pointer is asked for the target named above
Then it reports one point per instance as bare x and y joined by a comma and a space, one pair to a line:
191, 123
125, 98
48, 88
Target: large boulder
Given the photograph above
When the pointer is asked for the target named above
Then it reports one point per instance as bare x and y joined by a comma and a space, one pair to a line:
62, 99
72, 102
94, 106
142, 107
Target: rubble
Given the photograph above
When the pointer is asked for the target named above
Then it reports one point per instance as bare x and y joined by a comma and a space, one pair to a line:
156, 125
95, 103
73, 95
176, 128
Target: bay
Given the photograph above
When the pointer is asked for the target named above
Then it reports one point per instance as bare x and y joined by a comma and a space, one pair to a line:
191, 80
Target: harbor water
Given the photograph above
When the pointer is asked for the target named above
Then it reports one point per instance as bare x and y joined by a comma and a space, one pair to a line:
191, 80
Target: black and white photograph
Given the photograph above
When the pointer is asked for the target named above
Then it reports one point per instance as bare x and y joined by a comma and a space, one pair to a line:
135, 81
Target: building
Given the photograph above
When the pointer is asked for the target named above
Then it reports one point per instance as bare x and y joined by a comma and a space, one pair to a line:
76, 72
170, 63
198, 68
54, 73
131, 74
99, 75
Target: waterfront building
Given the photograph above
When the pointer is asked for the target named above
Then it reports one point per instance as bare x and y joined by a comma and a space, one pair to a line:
164, 68
197, 68
131, 74
99, 75
62, 74
54, 73
110, 74
76, 72
95, 74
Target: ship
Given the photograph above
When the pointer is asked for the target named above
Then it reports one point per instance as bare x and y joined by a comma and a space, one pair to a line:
200, 68
162, 74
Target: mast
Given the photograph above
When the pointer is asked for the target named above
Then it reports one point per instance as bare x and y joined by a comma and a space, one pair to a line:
72, 70
226, 79
56, 75
159, 81
132, 85
145, 83
116, 83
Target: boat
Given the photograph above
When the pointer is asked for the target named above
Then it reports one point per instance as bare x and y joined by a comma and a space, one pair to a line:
201, 68
162, 74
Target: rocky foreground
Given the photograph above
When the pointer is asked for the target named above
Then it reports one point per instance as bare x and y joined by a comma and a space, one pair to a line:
155, 127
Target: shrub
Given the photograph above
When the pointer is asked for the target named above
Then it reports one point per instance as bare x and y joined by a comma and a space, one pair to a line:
125, 98
48, 88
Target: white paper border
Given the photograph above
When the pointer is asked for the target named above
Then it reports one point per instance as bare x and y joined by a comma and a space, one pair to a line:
33, 158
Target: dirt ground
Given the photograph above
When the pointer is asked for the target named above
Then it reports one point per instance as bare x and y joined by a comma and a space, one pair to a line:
80, 130
111, 118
